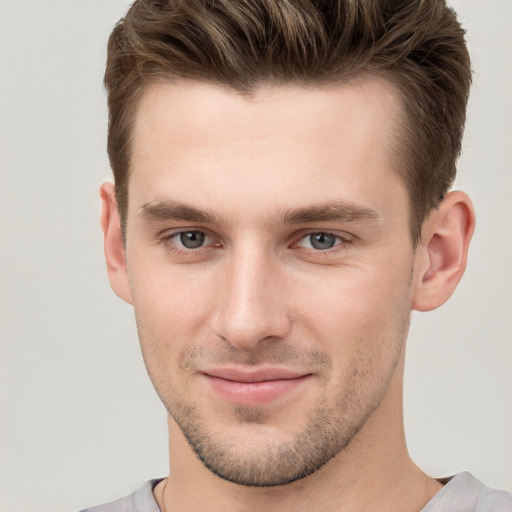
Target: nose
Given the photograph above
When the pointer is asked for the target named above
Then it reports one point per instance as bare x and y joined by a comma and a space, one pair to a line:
251, 301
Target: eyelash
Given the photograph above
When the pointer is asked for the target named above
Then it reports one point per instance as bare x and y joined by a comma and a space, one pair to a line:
167, 241
342, 241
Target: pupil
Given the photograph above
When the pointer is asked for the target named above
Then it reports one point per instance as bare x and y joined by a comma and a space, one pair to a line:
192, 239
322, 241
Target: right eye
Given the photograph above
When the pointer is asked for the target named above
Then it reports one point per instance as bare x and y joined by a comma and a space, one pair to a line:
190, 239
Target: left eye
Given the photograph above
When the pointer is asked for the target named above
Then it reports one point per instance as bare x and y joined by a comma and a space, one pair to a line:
191, 239
320, 241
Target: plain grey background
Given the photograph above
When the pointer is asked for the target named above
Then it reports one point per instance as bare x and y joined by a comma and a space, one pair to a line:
80, 422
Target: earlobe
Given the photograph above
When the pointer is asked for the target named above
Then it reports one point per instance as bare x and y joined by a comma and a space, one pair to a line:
114, 249
442, 253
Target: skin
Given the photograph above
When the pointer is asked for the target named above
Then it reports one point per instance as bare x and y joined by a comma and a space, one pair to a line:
255, 176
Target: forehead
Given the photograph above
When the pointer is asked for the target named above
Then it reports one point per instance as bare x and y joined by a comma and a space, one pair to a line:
210, 112
283, 142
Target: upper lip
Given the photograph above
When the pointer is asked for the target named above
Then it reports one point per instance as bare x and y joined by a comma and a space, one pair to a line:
254, 375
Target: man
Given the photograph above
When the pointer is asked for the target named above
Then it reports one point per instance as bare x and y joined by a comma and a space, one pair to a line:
281, 205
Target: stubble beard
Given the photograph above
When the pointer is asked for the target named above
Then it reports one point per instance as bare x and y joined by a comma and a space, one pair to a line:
330, 429
266, 464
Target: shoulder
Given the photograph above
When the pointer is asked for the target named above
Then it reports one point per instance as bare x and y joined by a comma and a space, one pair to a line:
494, 500
142, 500
465, 493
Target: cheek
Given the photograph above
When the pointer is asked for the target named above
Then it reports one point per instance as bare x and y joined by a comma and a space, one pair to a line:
172, 312
172, 304
360, 307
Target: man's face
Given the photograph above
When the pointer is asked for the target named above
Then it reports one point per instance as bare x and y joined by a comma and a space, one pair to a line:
270, 267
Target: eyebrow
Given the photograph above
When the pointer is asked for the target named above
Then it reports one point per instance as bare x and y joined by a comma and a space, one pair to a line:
341, 211
338, 211
174, 210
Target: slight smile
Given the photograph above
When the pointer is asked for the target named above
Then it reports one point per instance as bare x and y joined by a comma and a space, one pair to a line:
254, 387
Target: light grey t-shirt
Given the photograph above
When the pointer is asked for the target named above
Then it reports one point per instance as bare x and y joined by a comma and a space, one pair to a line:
461, 493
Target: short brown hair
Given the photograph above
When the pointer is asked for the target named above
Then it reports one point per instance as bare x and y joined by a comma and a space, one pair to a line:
244, 44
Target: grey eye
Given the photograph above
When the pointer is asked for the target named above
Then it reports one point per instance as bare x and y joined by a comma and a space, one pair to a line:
192, 239
322, 241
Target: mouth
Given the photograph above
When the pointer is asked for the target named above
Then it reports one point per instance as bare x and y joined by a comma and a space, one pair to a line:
254, 387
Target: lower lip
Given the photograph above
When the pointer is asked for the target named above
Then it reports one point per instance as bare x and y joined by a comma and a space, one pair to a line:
254, 393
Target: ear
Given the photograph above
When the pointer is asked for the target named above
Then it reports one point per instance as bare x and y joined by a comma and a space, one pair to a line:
114, 249
441, 255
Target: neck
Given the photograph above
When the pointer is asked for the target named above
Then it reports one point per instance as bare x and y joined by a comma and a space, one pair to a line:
373, 472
